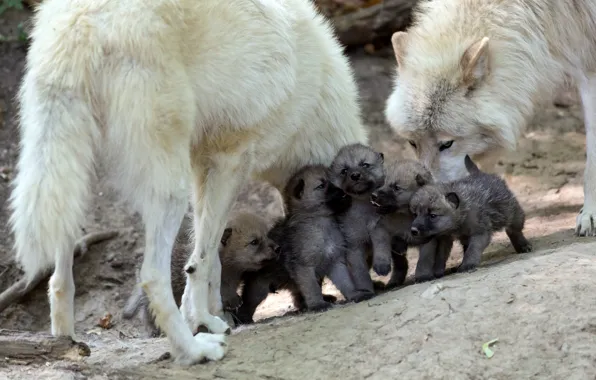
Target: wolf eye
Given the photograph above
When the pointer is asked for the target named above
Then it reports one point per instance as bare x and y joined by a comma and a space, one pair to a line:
365, 165
254, 242
321, 186
412, 143
396, 188
343, 171
445, 145
432, 216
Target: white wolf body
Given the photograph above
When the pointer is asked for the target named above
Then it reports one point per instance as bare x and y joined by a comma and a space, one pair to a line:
180, 98
471, 74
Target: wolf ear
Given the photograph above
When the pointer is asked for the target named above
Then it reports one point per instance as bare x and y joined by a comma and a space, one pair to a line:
475, 62
423, 179
398, 41
381, 157
226, 236
299, 189
453, 199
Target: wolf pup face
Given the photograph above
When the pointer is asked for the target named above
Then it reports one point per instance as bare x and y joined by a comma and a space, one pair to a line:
245, 242
358, 170
441, 105
309, 190
435, 213
402, 180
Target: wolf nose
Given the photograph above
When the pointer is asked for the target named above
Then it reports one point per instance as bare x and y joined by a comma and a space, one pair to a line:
414, 231
355, 176
374, 197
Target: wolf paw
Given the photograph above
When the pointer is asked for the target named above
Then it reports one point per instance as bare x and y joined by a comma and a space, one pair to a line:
362, 296
585, 222
382, 267
209, 323
466, 267
423, 278
526, 248
206, 347
439, 273
320, 306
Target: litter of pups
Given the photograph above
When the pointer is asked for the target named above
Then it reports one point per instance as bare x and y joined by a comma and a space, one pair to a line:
362, 212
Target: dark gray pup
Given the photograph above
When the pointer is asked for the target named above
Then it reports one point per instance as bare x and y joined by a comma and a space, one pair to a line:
392, 201
359, 170
471, 210
312, 247
244, 247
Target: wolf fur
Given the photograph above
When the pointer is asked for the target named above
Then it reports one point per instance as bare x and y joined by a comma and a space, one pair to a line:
359, 170
392, 201
191, 98
472, 73
470, 209
312, 247
244, 247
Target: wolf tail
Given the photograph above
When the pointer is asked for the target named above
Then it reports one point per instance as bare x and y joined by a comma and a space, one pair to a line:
471, 166
58, 135
134, 303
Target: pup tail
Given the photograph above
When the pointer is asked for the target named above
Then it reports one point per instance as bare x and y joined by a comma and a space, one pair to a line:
134, 303
52, 187
471, 166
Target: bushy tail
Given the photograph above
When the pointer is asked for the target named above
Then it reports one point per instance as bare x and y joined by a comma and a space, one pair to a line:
135, 301
471, 166
51, 190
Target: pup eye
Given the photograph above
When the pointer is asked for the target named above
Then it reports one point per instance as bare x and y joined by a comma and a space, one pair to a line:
445, 145
432, 216
412, 143
321, 186
254, 242
365, 165
396, 188
344, 172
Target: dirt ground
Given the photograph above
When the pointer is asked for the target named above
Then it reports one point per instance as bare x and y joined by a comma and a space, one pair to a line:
541, 306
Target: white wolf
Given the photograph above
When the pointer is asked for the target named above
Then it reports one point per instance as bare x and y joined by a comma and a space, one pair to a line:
166, 91
471, 74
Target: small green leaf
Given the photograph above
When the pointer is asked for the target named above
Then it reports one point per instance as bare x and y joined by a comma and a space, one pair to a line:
486, 348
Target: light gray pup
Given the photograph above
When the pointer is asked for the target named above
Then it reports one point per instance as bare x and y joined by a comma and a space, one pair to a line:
470, 209
244, 247
358, 170
392, 201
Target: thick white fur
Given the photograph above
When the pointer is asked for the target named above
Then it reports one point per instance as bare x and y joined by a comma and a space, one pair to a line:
532, 44
166, 91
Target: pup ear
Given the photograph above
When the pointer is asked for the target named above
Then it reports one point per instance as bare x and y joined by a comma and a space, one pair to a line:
475, 63
226, 236
423, 178
453, 199
299, 189
398, 40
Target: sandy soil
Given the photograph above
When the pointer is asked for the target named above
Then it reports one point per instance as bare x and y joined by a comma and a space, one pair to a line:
541, 306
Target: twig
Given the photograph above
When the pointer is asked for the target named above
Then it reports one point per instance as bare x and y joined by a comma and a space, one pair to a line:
22, 287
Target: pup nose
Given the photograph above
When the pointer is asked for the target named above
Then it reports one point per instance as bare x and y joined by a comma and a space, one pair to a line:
355, 176
374, 196
414, 231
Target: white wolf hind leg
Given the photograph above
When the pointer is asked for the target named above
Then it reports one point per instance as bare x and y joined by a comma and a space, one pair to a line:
61, 293
216, 184
586, 219
162, 225
149, 139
